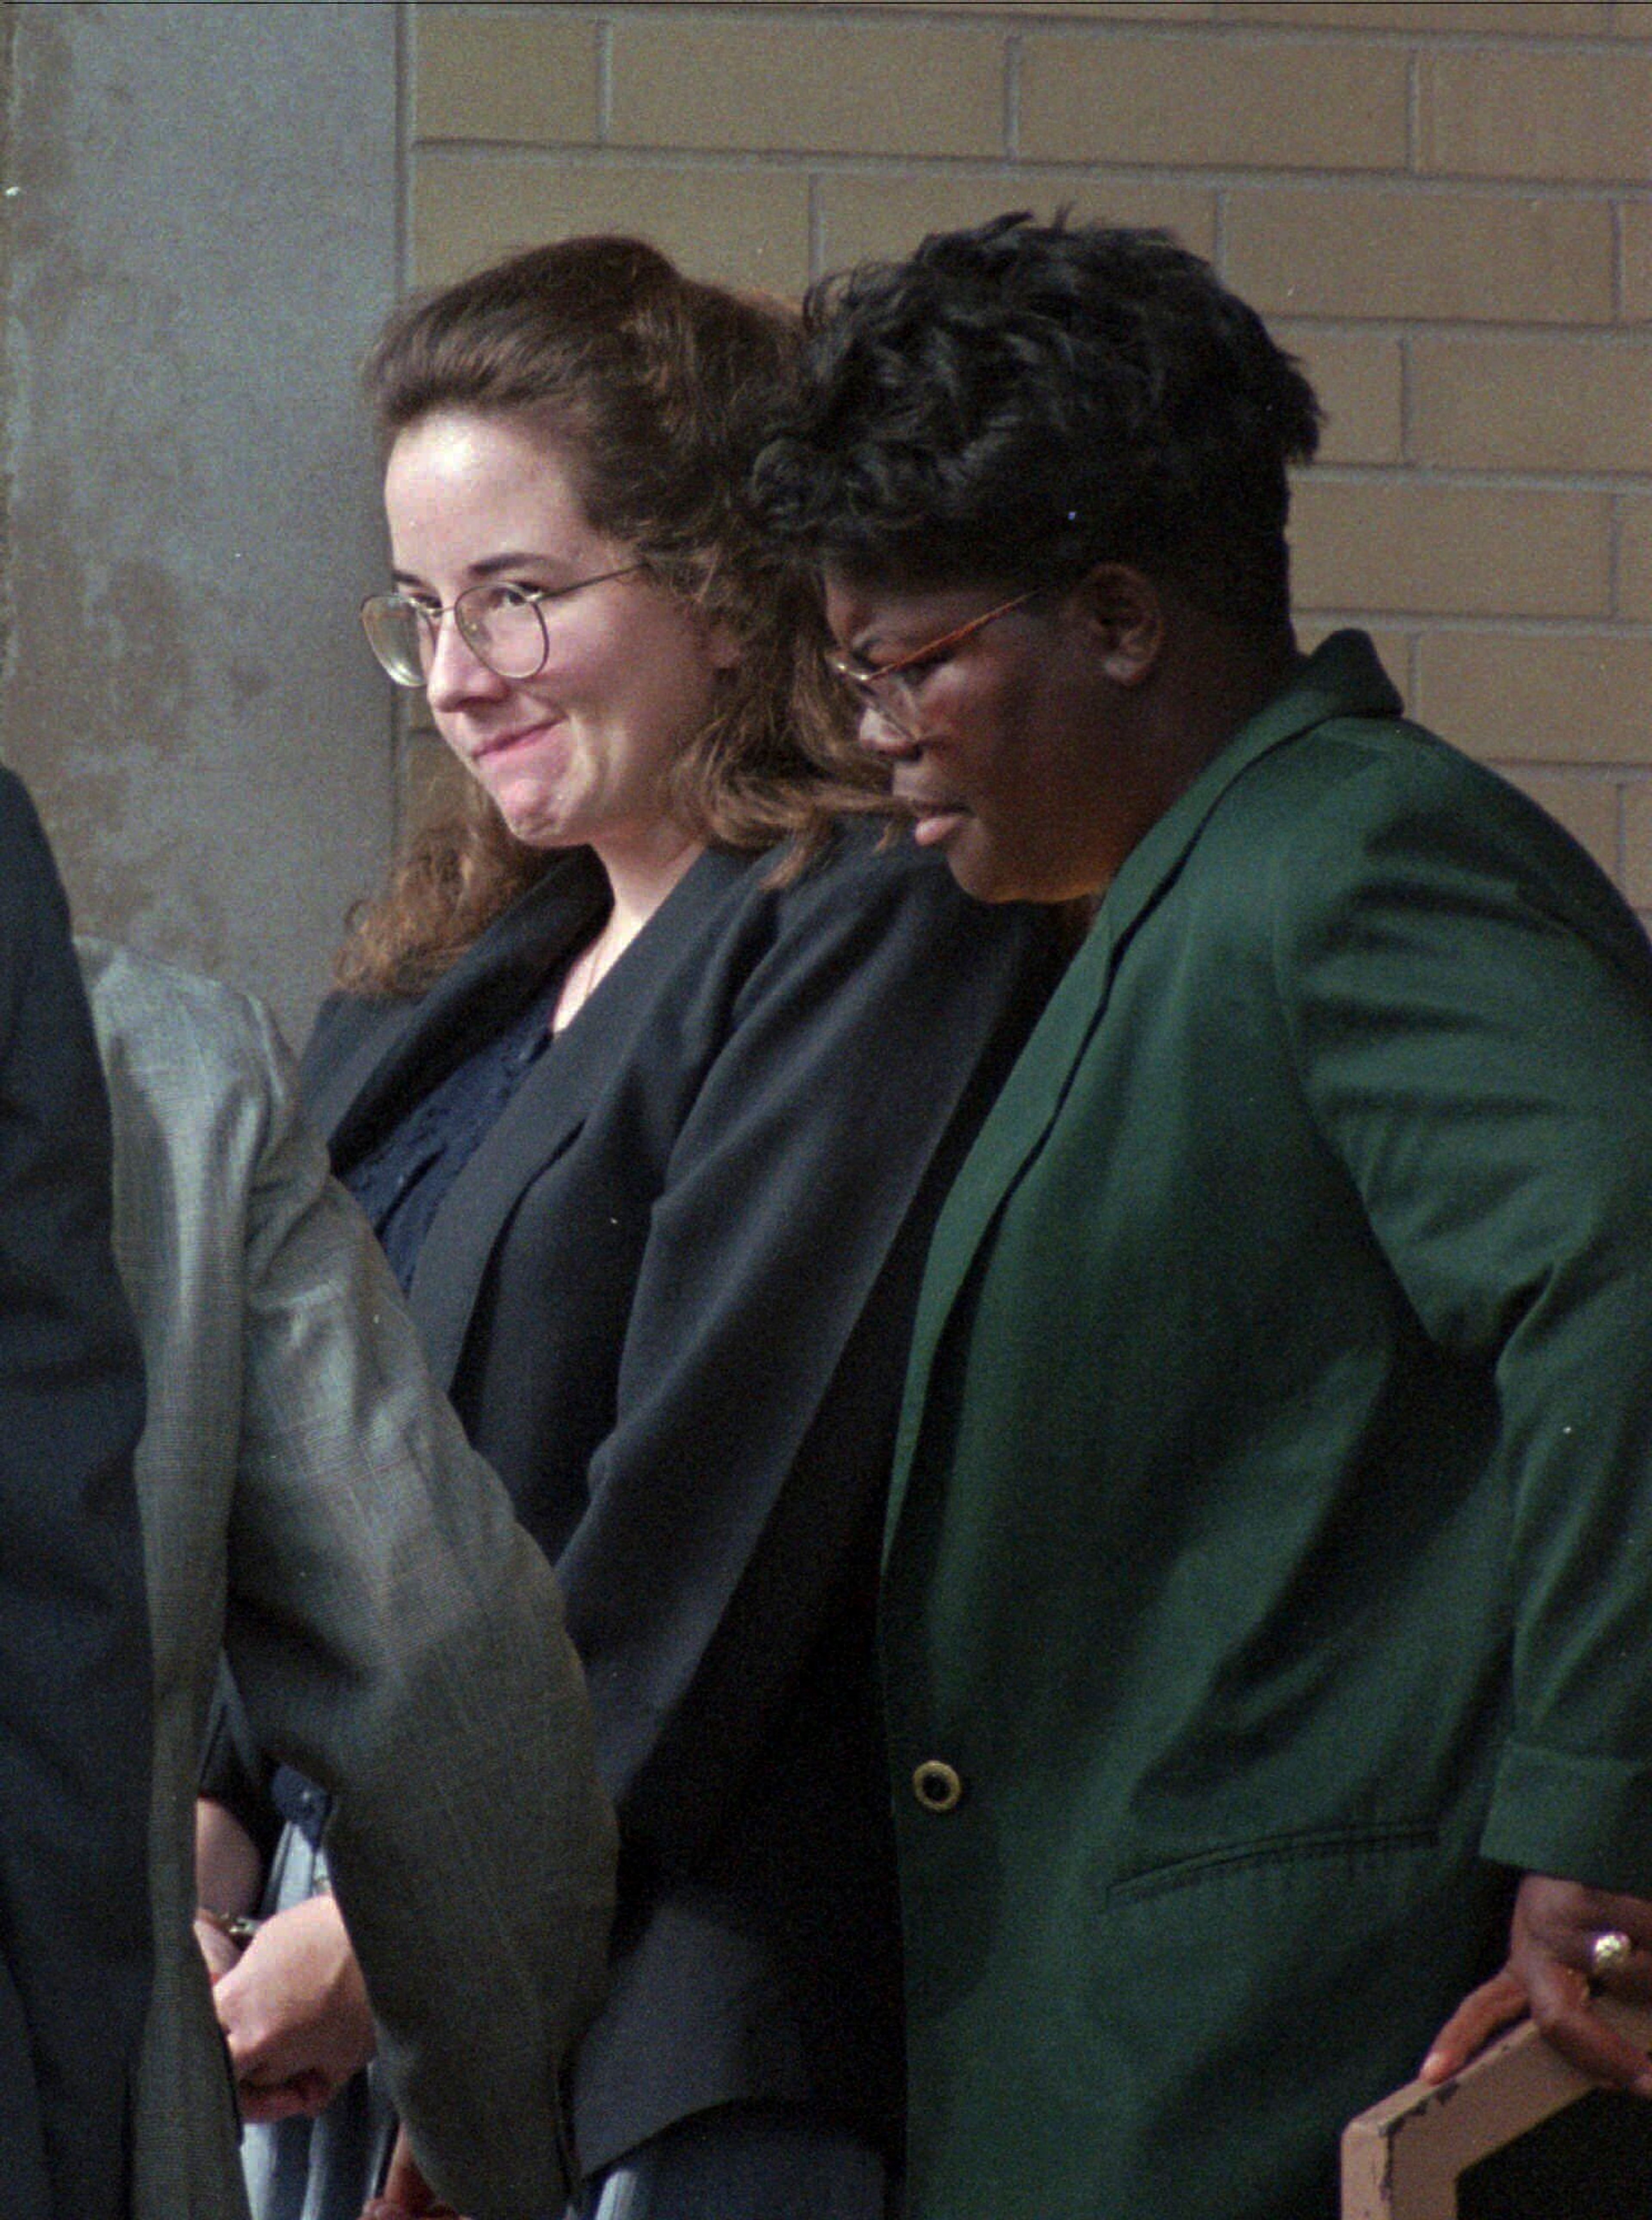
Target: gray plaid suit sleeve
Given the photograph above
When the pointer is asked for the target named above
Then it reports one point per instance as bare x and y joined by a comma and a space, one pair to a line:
393, 1631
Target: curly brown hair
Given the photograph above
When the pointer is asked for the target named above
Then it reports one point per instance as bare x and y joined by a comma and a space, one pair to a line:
657, 390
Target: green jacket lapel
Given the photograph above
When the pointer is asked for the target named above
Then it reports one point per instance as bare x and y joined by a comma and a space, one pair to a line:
1342, 679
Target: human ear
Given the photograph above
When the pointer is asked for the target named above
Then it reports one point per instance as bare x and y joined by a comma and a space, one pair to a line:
1124, 616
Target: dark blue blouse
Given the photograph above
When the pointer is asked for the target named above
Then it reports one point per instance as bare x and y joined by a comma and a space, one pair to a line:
401, 1183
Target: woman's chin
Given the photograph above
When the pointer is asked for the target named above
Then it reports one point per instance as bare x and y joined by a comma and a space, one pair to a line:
530, 820
538, 832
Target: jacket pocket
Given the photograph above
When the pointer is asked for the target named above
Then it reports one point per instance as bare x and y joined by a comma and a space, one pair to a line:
1303, 1847
1245, 2001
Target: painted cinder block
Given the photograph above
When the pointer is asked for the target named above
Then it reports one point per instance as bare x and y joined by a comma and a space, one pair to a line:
745, 228
1475, 305
1583, 402
524, 73
1637, 803
1572, 698
1524, 19
797, 80
1588, 807
1136, 11
1634, 224
1561, 116
1393, 252
1405, 548
863, 216
1357, 376
1634, 595
1205, 99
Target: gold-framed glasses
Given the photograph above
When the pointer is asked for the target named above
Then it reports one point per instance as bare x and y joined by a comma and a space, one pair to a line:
502, 625
891, 689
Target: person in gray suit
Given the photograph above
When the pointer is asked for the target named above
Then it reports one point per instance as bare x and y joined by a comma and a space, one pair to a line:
74, 1660
308, 1499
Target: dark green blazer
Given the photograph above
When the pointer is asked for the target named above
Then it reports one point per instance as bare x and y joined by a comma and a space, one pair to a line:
1270, 1553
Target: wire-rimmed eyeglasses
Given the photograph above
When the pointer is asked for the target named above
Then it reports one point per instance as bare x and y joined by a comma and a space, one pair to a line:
502, 625
891, 689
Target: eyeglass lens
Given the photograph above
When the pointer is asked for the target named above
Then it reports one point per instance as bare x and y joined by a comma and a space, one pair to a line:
500, 624
892, 691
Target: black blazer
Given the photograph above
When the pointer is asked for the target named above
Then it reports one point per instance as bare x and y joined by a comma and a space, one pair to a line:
75, 1694
670, 1297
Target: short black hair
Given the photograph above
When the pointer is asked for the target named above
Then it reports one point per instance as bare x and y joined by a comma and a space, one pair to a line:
1018, 401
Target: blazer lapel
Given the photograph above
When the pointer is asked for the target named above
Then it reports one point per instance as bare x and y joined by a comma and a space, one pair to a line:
397, 1051
1342, 678
547, 1111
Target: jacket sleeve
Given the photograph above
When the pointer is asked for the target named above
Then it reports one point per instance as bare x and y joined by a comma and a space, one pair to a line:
396, 1634
1473, 1013
75, 1697
763, 1358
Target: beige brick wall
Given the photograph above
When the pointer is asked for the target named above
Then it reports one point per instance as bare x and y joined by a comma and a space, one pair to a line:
1445, 210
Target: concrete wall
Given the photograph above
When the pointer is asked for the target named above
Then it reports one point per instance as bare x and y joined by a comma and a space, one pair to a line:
203, 219
1446, 210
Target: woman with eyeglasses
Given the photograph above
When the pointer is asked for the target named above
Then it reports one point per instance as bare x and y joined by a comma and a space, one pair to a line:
650, 1068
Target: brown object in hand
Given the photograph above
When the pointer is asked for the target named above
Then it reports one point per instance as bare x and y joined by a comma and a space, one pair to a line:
1401, 2160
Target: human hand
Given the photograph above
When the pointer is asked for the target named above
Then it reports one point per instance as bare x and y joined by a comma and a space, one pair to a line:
1484, 2012
407, 2195
295, 2013
1549, 1973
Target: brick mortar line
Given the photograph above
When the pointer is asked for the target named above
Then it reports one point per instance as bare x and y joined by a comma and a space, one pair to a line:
817, 231
1479, 478
1230, 31
1059, 169
407, 144
605, 83
1589, 631
1413, 116
1621, 338
1620, 839
1592, 773
1323, 37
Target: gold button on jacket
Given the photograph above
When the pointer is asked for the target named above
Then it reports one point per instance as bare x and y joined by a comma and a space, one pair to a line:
937, 1787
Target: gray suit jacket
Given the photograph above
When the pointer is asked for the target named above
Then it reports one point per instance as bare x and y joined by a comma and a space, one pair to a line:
307, 1495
